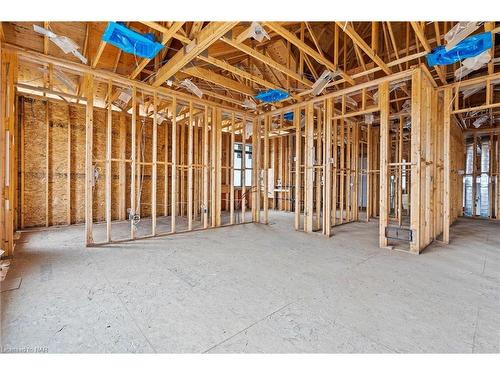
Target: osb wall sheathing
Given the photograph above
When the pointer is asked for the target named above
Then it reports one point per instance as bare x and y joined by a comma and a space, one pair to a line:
60, 116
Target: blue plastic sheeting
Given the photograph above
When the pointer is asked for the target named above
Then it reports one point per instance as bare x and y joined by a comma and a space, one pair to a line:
288, 116
143, 45
271, 96
469, 47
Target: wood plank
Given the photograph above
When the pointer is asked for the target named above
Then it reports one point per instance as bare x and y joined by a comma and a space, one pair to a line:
154, 160
109, 133
190, 168
173, 194
384, 161
133, 165
210, 34
307, 50
327, 169
309, 169
89, 168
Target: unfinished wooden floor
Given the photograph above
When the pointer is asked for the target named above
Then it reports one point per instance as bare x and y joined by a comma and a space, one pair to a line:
255, 288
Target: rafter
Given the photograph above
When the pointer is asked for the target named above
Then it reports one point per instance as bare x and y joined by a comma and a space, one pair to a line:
211, 33
267, 60
98, 53
356, 38
314, 39
425, 43
307, 50
167, 37
211, 76
228, 67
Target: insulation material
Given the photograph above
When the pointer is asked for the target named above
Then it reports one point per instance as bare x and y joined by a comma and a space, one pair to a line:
66, 44
459, 32
469, 47
129, 41
190, 86
248, 130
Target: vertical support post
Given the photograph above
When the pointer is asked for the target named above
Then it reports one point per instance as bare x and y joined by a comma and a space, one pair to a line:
218, 155
384, 161
68, 169
333, 213
173, 193
231, 172
154, 172
255, 171
133, 165
122, 172
47, 161
243, 169
447, 165
368, 171
190, 168
317, 175
416, 157
109, 127
298, 149
89, 169
267, 120
327, 169
205, 168
165, 172
309, 169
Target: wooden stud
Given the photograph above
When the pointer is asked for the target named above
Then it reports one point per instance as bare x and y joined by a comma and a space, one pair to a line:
89, 168
384, 161
190, 168
109, 133
154, 172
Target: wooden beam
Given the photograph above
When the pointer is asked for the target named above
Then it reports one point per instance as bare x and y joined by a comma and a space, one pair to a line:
228, 67
309, 169
173, 205
425, 43
308, 50
210, 34
167, 37
190, 168
314, 39
109, 133
211, 76
89, 167
154, 160
98, 53
447, 164
267, 60
385, 152
133, 165
359, 41
327, 168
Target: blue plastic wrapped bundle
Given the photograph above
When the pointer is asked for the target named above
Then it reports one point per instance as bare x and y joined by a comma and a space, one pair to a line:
142, 45
469, 47
271, 96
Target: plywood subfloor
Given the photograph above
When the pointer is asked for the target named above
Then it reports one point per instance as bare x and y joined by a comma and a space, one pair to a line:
256, 288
